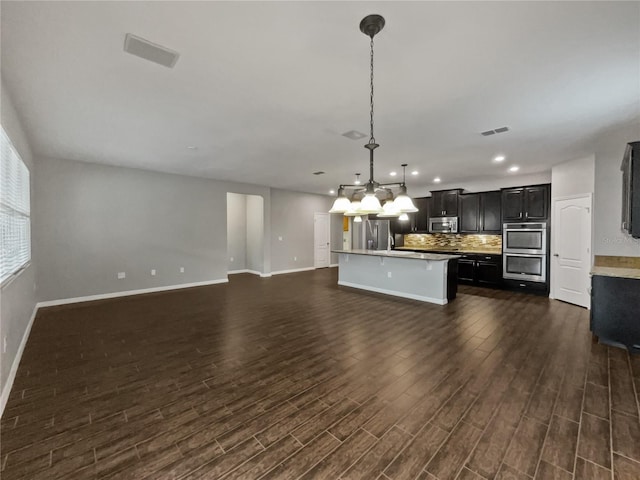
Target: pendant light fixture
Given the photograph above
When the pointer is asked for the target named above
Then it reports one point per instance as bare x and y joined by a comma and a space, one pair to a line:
364, 200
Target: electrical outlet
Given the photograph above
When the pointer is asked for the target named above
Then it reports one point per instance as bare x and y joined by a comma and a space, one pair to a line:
153, 272
280, 238
121, 275
4, 344
181, 269
388, 274
232, 259
295, 259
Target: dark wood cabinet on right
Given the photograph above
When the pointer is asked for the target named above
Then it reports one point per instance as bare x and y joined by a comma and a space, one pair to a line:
480, 269
526, 204
481, 213
614, 310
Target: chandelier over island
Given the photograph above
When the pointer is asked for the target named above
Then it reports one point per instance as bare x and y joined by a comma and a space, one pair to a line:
364, 199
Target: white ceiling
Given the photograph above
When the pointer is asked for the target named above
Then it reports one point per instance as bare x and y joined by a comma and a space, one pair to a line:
265, 90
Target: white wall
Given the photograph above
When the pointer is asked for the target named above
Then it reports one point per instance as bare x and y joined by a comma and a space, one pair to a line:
573, 177
93, 221
236, 231
292, 223
255, 233
18, 297
609, 149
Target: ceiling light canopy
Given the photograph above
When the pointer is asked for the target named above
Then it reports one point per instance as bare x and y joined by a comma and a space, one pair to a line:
364, 199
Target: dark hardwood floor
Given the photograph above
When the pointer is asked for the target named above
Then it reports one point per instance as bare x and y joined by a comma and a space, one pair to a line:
294, 377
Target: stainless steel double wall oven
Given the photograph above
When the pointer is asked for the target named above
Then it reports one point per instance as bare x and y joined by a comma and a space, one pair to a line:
524, 247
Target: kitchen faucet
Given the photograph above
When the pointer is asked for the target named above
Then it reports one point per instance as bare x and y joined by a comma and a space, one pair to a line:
390, 243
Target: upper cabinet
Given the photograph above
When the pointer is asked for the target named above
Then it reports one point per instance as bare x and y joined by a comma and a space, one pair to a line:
631, 190
444, 203
480, 213
417, 222
526, 204
420, 218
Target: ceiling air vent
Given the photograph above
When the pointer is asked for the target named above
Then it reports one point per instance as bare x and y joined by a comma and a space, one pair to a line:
354, 135
494, 131
150, 51
319, 173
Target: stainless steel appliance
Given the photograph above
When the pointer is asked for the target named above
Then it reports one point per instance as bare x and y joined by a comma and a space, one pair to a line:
372, 235
524, 251
526, 238
443, 225
520, 266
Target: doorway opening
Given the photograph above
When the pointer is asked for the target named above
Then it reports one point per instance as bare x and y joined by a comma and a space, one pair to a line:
245, 233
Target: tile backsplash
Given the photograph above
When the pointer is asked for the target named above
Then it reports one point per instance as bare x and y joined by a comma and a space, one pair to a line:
439, 240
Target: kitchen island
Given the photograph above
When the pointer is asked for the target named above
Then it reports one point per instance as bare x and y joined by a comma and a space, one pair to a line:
428, 277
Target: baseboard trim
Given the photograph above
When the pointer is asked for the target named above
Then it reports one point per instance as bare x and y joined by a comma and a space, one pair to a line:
333, 265
412, 296
127, 293
4, 397
293, 270
233, 272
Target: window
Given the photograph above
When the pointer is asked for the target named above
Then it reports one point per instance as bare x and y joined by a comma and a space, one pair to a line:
15, 210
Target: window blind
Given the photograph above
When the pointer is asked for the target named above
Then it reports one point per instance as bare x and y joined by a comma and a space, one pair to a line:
15, 210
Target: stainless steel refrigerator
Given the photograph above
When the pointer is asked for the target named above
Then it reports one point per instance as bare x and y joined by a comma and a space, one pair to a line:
371, 234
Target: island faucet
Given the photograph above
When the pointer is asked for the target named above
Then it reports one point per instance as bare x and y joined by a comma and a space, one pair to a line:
390, 243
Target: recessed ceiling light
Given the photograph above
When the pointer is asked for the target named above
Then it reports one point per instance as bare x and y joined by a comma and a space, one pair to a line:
393, 174
192, 147
499, 158
415, 172
437, 180
515, 168
332, 192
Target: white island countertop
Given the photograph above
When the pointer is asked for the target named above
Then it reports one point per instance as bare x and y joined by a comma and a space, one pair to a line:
400, 254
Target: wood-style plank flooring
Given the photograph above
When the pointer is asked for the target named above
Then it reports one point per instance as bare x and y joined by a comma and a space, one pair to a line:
293, 377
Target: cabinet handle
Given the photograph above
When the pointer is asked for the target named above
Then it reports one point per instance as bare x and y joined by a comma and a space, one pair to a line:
487, 258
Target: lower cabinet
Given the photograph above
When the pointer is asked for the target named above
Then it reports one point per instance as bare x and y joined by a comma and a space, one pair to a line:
614, 310
477, 269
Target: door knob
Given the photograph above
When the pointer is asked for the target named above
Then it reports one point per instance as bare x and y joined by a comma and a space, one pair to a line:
556, 255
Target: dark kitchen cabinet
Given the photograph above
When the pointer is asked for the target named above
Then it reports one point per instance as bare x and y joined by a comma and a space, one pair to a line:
444, 203
466, 269
470, 213
481, 213
631, 190
420, 218
491, 212
478, 269
489, 270
614, 310
526, 204
417, 222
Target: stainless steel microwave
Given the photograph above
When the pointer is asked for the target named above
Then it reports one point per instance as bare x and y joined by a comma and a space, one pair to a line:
443, 225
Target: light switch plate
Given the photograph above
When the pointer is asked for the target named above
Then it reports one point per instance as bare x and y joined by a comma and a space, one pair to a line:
121, 275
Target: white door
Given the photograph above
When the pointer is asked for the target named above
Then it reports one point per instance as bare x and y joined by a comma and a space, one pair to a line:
322, 252
571, 253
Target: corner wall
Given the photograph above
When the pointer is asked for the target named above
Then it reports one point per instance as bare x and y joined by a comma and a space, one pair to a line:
608, 236
18, 296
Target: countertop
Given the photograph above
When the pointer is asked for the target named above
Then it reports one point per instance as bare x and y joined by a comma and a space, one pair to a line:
400, 254
480, 251
616, 272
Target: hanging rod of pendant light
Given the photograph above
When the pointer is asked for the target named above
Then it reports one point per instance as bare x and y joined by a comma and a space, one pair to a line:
364, 198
